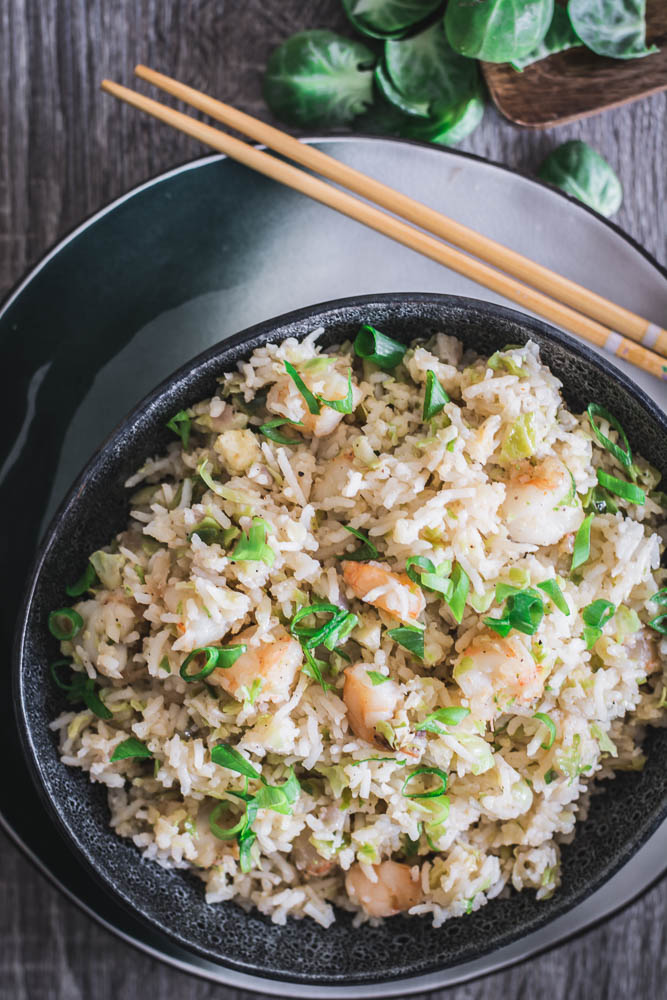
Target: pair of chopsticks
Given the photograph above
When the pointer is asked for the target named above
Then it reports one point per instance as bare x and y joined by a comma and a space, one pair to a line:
512, 275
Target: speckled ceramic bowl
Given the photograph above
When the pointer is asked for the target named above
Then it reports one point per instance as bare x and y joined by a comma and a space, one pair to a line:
620, 819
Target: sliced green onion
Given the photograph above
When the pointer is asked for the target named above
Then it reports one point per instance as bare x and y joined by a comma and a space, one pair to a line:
657, 623
65, 623
439, 790
447, 716
181, 425
333, 632
227, 756
550, 776
211, 662
371, 345
547, 721
376, 677
84, 583
216, 657
246, 839
269, 430
582, 543
313, 668
345, 405
435, 397
551, 588
623, 455
364, 552
524, 611
253, 546
228, 655
461, 584
620, 488
208, 530
600, 501
591, 635
660, 597
598, 613
225, 833
131, 747
81, 689
312, 401
410, 638
431, 578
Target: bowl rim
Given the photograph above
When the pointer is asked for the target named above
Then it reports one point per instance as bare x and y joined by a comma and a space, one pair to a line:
315, 315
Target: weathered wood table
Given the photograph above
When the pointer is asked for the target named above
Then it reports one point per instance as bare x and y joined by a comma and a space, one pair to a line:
65, 150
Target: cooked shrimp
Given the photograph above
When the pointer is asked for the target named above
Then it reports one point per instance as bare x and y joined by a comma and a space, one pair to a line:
368, 703
493, 672
642, 650
538, 506
395, 889
274, 662
394, 593
238, 450
307, 859
286, 400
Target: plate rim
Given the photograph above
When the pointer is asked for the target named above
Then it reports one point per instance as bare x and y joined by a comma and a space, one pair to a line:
15, 290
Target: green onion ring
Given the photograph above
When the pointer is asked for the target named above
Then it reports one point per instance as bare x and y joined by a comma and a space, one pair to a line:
434, 791
70, 615
547, 721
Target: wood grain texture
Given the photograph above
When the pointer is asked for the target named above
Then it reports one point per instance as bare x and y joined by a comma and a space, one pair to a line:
65, 150
577, 83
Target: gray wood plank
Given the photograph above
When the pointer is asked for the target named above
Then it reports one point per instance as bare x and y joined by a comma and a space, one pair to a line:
65, 150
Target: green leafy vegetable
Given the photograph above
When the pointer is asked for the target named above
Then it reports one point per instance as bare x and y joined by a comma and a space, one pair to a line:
434, 90
214, 658
131, 747
319, 78
84, 583
435, 397
520, 440
461, 586
551, 588
577, 169
65, 623
371, 345
599, 501
80, 689
581, 549
410, 638
387, 18
313, 668
560, 37
365, 551
547, 721
612, 28
497, 30
331, 634
181, 425
443, 717
377, 678
620, 488
270, 430
253, 546
434, 792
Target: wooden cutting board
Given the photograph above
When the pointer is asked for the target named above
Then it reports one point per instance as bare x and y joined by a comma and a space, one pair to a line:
578, 83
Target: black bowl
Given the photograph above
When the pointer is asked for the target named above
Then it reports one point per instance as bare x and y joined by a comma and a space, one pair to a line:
620, 819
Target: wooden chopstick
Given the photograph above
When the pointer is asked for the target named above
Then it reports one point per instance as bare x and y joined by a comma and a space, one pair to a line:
396, 229
563, 289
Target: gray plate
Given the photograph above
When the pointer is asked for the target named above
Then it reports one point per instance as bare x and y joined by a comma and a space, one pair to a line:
274, 252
